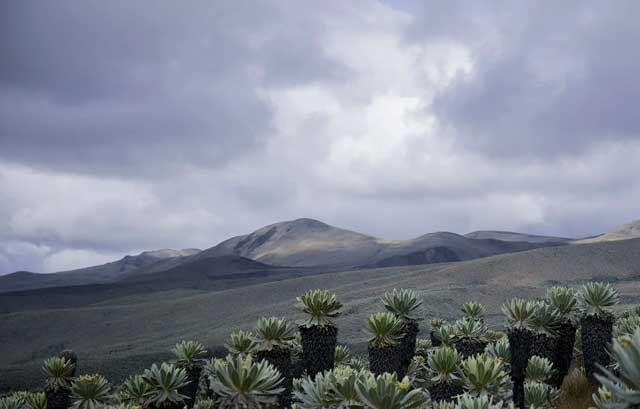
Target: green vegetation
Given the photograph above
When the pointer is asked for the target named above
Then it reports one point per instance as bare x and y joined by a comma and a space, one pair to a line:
321, 307
257, 371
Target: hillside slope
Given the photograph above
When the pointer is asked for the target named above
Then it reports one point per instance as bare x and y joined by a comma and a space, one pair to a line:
117, 338
105, 273
624, 232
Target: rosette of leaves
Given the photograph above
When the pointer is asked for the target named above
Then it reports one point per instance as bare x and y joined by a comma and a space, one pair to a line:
331, 389
165, 382
407, 306
565, 301
58, 372
473, 311
483, 374
35, 400
274, 336
539, 369
14, 401
469, 334
90, 391
241, 343
595, 301
190, 357
624, 387
319, 334
539, 395
435, 324
135, 390
545, 323
385, 392
500, 351
445, 334
383, 347
626, 326
443, 365
342, 355
472, 401
240, 382
423, 345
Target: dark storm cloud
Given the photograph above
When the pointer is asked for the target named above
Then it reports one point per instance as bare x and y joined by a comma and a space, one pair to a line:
116, 87
549, 79
131, 125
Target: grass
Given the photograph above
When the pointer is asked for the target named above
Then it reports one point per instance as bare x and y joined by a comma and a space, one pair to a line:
576, 392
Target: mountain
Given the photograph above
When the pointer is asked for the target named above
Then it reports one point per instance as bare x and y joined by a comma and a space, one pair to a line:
121, 336
308, 242
624, 232
301, 243
105, 273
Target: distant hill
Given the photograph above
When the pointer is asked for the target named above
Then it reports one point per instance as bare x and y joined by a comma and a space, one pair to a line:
512, 236
308, 242
624, 232
105, 273
301, 243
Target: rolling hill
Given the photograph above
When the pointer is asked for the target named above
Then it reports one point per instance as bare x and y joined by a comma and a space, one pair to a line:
122, 335
301, 243
624, 232
105, 273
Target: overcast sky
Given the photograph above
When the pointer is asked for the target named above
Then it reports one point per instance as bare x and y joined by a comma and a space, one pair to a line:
133, 125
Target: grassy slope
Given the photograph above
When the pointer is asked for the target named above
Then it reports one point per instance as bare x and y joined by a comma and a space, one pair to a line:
119, 336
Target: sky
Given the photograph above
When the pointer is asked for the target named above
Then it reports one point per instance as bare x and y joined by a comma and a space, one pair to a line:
127, 126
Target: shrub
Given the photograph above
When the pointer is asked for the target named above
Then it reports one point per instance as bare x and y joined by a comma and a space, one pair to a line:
539, 369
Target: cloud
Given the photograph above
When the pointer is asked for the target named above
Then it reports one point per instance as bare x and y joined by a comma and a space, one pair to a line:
131, 126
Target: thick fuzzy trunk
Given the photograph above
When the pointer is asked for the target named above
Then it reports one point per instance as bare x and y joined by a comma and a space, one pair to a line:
318, 348
58, 399
190, 390
563, 354
469, 347
520, 344
408, 343
435, 341
518, 393
444, 391
386, 359
544, 346
280, 358
520, 341
596, 337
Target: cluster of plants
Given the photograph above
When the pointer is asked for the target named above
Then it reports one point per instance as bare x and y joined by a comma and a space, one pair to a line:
461, 365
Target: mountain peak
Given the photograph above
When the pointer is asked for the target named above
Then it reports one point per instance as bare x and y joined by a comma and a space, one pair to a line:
624, 232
